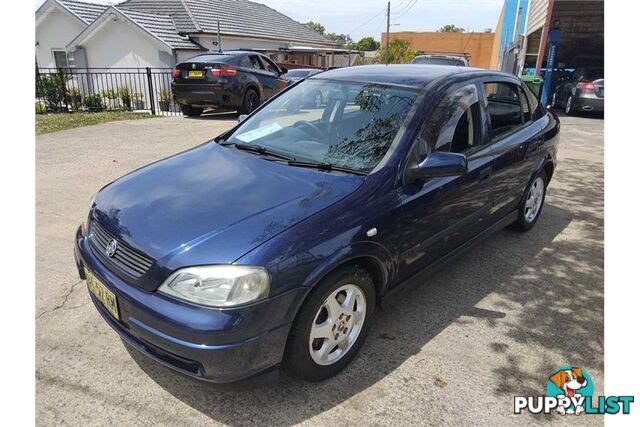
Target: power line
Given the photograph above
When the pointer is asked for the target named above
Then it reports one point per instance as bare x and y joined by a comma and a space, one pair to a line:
409, 7
366, 22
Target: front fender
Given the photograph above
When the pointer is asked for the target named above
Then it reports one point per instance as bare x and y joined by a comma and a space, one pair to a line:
370, 250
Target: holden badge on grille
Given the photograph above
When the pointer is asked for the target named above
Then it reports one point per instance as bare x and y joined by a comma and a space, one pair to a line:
111, 248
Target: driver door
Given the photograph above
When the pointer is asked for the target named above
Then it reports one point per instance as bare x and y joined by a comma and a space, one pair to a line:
441, 213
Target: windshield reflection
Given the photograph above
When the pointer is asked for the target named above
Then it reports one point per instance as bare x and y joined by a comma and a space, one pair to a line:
344, 124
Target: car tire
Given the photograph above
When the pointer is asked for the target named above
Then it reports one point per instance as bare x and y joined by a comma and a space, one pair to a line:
532, 204
250, 102
568, 106
190, 111
350, 324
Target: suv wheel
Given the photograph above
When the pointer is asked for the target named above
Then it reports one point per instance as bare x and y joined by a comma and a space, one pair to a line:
332, 325
188, 110
568, 108
531, 207
250, 102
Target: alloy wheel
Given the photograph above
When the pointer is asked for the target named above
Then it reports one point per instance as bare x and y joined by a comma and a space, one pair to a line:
337, 324
533, 203
567, 107
252, 101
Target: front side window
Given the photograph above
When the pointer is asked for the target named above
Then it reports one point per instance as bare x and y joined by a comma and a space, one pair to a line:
454, 123
271, 67
346, 124
504, 108
255, 62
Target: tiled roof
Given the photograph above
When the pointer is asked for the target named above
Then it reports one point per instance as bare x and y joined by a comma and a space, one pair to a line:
161, 26
88, 12
237, 17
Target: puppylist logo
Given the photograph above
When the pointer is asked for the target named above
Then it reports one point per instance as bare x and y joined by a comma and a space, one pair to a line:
570, 392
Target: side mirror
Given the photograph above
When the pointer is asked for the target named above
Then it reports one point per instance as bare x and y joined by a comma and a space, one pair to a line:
439, 164
283, 70
241, 117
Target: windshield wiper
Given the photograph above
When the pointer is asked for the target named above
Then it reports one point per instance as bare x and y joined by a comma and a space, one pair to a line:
325, 167
259, 149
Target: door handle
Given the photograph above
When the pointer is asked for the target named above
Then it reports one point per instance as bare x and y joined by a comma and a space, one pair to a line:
484, 174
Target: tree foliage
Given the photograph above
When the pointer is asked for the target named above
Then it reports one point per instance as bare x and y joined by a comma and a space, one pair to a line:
400, 52
343, 40
316, 26
450, 28
366, 44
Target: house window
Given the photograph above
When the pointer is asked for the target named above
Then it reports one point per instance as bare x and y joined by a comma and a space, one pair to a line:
60, 59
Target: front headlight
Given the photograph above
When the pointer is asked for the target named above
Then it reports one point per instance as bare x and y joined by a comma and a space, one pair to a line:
218, 285
85, 224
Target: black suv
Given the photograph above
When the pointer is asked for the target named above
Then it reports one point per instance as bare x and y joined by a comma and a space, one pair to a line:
236, 79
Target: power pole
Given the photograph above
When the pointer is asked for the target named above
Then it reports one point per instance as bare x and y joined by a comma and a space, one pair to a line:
388, 25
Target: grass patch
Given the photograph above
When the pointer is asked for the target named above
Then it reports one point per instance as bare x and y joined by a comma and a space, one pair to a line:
47, 123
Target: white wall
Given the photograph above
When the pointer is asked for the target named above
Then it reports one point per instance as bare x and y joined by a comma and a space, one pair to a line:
54, 31
117, 44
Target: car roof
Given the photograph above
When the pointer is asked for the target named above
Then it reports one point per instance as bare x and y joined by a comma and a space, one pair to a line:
417, 75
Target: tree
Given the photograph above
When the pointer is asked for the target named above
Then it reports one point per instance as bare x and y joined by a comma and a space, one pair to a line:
342, 39
316, 26
400, 52
367, 44
450, 28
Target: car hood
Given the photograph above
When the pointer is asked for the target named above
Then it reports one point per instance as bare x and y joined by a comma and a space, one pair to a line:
212, 204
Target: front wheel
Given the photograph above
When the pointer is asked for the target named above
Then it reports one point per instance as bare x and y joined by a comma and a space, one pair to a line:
531, 207
332, 325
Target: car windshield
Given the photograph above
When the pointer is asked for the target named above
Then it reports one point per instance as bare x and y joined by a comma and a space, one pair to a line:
345, 124
438, 61
298, 73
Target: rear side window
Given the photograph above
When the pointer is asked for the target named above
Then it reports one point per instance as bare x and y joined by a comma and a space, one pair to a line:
504, 107
244, 61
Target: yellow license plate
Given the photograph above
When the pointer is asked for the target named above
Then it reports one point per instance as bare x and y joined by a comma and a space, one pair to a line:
195, 74
104, 295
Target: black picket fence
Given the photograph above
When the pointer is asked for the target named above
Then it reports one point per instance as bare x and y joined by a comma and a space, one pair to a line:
63, 90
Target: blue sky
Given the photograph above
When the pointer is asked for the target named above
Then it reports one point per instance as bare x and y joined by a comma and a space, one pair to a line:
366, 17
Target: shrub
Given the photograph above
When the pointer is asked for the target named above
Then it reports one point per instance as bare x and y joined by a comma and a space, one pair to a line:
75, 98
51, 88
93, 103
125, 97
41, 107
165, 96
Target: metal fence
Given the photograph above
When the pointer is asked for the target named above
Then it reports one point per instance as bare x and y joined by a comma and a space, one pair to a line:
61, 90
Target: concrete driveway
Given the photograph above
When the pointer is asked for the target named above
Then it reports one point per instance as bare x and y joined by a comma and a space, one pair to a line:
456, 351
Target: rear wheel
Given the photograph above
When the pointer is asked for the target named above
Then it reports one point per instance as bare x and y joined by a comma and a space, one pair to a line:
332, 325
188, 110
568, 108
250, 102
531, 207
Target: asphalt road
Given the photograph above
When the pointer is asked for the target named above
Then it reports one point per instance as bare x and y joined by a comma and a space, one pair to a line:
455, 351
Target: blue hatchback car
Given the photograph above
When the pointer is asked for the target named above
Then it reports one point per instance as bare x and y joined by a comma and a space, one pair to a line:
274, 243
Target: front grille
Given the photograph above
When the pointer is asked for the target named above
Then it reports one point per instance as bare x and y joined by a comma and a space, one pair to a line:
129, 260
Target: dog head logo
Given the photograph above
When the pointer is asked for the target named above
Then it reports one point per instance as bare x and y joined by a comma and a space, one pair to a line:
569, 380
571, 385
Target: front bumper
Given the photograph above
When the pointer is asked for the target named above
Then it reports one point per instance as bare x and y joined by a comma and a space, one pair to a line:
218, 345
